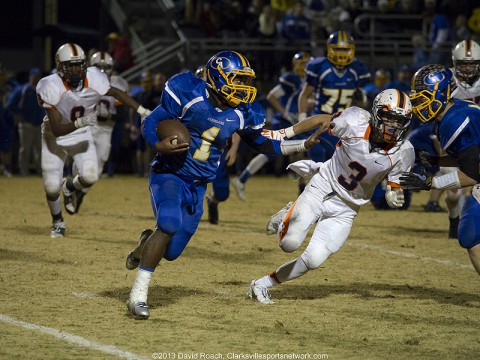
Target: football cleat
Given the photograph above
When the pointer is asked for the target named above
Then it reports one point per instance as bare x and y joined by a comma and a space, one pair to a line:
212, 210
133, 259
69, 198
260, 293
79, 194
433, 206
239, 188
58, 229
275, 220
139, 310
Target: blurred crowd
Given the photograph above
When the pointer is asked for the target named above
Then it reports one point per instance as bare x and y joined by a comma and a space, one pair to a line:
285, 21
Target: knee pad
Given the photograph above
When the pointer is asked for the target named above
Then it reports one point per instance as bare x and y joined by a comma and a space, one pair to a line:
90, 172
289, 244
52, 186
221, 193
169, 224
315, 257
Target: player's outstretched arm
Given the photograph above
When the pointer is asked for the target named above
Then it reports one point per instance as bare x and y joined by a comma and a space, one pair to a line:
320, 122
129, 101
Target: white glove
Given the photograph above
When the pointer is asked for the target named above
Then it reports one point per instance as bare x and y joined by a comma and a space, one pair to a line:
103, 111
394, 198
143, 112
305, 168
87, 120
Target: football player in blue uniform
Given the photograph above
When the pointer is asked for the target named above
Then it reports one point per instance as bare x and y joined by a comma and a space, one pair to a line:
283, 98
458, 130
335, 80
212, 110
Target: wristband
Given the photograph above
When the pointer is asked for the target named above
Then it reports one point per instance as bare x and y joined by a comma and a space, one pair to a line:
289, 132
141, 110
447, 181
302, 116
292, 146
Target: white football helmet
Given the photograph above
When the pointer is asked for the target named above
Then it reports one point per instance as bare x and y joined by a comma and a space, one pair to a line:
466, 61
103, 61
71, 64
392, 113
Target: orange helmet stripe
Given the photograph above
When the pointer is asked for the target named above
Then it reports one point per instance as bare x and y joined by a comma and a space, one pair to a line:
74, 49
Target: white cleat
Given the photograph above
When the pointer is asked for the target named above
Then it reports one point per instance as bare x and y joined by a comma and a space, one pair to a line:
58, 229
239, 188
260, 293
275, 220
69, 199
139, 310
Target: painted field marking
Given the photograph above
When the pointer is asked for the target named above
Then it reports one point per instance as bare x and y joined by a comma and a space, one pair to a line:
413, 256
71, 338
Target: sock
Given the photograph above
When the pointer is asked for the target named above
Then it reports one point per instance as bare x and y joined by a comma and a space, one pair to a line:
267, 281
140, 285
244, 176
76, 184
55, 207
291, 270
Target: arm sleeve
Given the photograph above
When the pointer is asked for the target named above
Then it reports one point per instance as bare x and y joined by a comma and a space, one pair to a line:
258, 142
468, 162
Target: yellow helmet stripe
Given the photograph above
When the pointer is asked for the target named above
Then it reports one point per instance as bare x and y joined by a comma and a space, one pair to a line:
244, 60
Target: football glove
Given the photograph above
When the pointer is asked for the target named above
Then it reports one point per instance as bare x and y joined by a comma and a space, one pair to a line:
425, 158
305, 168
87, 120
395, 198
414, 181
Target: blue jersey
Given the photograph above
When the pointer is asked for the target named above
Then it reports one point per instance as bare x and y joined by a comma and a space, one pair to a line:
334, 89
185, 98
460, 127
291, 85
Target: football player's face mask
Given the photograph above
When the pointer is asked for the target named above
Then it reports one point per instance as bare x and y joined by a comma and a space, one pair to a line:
466, 61
392, 113
299, 63
229, 74
71, 64
340, 49
432, 86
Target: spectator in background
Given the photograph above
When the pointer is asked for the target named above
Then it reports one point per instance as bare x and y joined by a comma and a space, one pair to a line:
402, 83
142, 153
439, 35
6, 123
380, 80
460, 30
119, 49
295, 25
29, 116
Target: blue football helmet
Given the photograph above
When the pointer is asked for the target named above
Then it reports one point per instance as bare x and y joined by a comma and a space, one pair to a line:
340, 49
299, 62
230, 75
432, 87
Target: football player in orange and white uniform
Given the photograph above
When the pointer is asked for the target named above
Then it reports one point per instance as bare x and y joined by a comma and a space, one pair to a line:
371, 148
106, 110
69, 97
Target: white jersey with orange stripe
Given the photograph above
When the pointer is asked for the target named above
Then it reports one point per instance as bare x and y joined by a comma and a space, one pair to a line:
119, 83
465, 91
356, 168
52, 92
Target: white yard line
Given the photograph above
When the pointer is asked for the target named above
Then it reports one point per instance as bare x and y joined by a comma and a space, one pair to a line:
412, 255
71, 338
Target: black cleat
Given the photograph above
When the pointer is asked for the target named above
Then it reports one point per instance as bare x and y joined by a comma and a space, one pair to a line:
212, 210
69, 198
132, 261
79, 195
433, 206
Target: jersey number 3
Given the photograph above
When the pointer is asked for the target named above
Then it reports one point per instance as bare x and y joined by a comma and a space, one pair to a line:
359, 173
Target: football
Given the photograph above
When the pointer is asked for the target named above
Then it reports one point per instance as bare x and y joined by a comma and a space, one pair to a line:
172, 127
